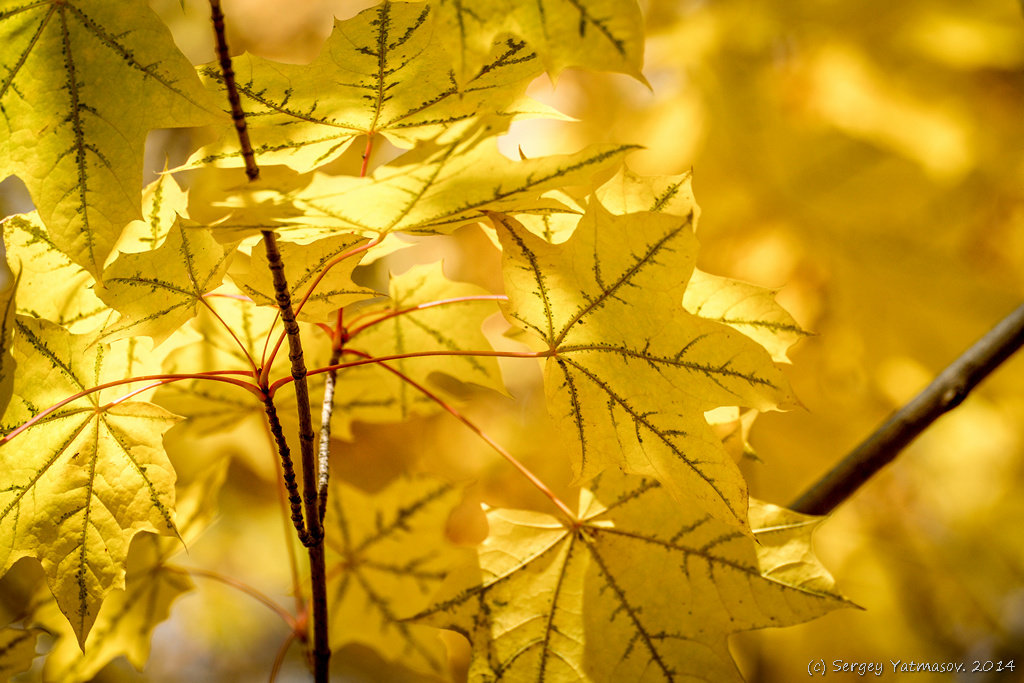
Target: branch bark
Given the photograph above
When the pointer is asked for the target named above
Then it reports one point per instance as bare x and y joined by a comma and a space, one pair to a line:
945, 393
312, 532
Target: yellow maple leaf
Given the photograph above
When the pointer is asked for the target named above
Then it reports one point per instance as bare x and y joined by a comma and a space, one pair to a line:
387, 554
83, 480
78, 149
628, 369
641, 588
381, 72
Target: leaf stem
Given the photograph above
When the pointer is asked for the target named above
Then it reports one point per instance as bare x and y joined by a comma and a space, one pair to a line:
215, 375
272, 389
451, 410
945, 393
285, 615
420, 307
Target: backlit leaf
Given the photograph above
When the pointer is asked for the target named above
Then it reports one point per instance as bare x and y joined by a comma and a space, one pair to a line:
630, 370
83, 82
7, 365
303, 264
157, 291
51, 285
126, 621
435, 189
382, 72
387, 554
644, 589
598, 34
747, 308
372, 393
80, 483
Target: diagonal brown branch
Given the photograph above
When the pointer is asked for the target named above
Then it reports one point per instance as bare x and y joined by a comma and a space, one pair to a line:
946, 392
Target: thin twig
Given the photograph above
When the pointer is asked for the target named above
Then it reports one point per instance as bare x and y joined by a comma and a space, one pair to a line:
272, 389
946, 392
451, 410
238, 585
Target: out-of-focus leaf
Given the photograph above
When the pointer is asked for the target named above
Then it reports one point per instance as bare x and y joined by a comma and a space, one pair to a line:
387, 554
17, 650
436, 315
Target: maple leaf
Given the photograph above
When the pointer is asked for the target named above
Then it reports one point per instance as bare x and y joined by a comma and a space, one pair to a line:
78, 149
432, 189
381, 72
17, 650
629, 369
236, 338
372, 393
303, 263
81, 482
597, 34
124, 626
51, 285
158, 290
641, 588
387, 554
747, 308
628, 192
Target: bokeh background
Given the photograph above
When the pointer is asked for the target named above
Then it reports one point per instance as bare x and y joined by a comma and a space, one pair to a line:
864, 158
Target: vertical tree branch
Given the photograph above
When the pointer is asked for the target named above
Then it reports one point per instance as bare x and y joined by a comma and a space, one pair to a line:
946, 392
311, 534
237, 115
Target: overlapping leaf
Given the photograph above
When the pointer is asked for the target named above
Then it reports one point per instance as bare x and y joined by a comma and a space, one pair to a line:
387, 556
51, 286
433, 189
303, 265
81, 482
83, 82
629, 369
236, 338
426, 313
17, 650
126, 621
598, 34
384, 72
157, 291
641, 589
748, 308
